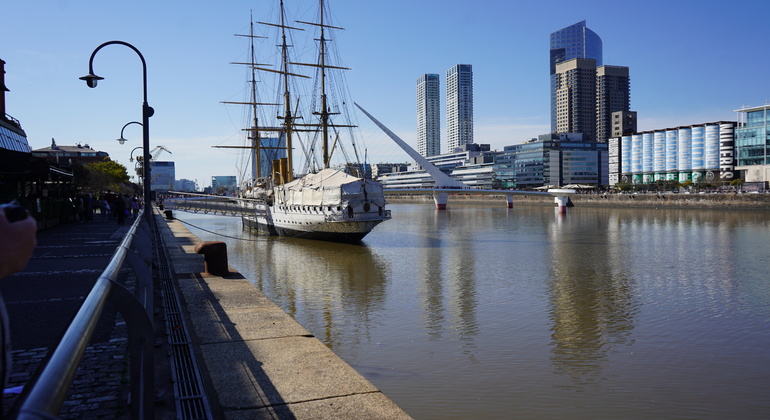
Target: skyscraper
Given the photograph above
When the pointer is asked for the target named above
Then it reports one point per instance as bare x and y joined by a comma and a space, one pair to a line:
575, 41
612, 95
428, 115
459, 106
575, 83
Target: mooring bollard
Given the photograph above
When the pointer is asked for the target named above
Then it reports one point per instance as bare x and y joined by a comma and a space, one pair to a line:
214, 257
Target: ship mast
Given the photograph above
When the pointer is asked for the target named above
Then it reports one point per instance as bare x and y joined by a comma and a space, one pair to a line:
254, 135
256, 142
288, 118
325, 112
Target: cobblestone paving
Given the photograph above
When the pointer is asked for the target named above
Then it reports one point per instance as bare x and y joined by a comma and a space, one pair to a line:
100, 388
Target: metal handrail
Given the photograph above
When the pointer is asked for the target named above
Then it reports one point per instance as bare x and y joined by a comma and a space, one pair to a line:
48, 393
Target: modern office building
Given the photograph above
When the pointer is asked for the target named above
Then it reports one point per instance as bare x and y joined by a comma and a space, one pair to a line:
697, 153
163, 175
471, 164
752, 144
575, 82
574, 41
428, 115
613, 94
459, 106
587, 96
185, 185
271, 149
380, 169
553, 159
227, 182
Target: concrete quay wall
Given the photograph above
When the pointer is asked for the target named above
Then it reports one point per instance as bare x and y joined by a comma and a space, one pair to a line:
257, 361
673, 201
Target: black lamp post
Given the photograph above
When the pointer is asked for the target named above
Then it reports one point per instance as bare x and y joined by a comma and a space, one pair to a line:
122, 140
147, 111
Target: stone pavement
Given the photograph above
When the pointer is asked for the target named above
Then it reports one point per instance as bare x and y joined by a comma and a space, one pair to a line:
41, 302
258, 362
255, 361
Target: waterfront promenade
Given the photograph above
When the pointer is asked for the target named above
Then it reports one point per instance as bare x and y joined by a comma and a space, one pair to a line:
253, 360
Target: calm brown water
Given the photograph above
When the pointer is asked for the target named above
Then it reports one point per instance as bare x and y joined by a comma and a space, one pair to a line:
495, 313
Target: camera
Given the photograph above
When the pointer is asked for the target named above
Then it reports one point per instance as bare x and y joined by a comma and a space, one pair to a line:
14, 211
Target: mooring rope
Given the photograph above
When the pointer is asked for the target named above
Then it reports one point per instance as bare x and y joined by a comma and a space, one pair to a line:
217, 233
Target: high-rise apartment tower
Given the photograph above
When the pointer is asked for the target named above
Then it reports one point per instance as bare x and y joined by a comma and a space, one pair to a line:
575, 41
612, 95
575, 82
428, 115
459, 106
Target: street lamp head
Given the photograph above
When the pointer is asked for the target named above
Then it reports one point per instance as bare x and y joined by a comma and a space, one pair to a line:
91, 79
121, 140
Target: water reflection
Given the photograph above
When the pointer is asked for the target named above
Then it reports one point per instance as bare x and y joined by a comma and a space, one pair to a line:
322, 285
480, 312
592, 301
446, 276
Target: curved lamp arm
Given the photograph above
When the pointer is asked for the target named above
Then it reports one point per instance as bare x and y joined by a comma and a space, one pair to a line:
122, 140
131, 156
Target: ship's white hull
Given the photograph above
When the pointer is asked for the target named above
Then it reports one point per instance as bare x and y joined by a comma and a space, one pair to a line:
314, 223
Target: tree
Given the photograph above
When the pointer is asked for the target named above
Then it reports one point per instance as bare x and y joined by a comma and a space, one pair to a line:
102, 176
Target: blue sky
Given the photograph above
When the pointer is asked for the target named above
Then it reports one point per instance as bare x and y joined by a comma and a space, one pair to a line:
690, 62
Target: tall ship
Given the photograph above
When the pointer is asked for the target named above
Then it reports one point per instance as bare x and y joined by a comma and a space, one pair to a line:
328, 203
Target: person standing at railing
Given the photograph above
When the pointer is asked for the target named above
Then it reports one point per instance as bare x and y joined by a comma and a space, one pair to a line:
17, 242
120, 209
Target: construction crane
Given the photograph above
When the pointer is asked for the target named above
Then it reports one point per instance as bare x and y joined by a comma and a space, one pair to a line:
157, 151
154, 153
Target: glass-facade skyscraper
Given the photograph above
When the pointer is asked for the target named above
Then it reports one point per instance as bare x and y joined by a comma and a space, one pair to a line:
574, 41
752, 139
459, 106
428, 115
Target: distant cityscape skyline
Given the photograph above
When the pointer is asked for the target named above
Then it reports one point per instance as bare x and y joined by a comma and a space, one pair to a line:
50, 48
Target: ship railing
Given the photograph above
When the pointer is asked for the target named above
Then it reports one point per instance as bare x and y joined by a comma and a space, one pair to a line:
226, 206
48, 392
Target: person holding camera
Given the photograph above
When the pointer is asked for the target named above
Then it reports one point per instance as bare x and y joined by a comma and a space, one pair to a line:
18, 238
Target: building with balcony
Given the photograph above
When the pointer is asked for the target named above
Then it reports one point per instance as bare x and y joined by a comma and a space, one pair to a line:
459, 106
428, 115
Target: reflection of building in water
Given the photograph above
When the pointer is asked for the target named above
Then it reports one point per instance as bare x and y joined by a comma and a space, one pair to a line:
447, 278
461, 276
592, 304
332, 289
430, 276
